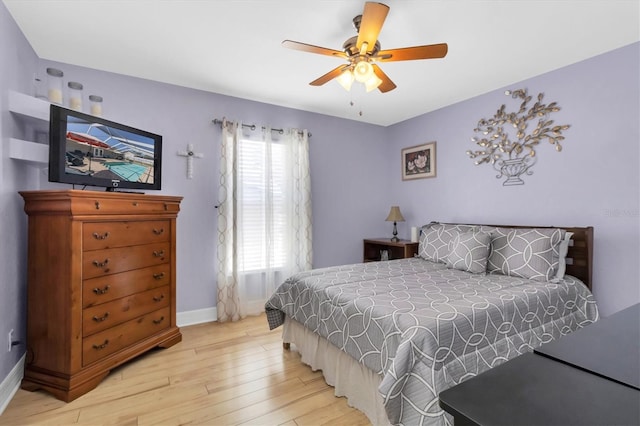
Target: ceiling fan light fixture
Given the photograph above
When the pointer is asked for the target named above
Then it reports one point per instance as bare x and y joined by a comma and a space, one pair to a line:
363, 52
363, 71
346, 79
372, 83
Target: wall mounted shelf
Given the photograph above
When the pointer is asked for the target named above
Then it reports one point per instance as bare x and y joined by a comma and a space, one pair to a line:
28, 151
29, 107
34, 113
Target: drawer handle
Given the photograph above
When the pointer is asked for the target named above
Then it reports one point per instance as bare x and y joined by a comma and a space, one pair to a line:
101, 290
158, 298
158, 276
100, 237
158, 253
101, 264
102, 318
158, 321
102, 346
97, 205
135, 204
158, 231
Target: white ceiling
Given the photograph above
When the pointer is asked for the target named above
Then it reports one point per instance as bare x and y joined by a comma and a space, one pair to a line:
233, 47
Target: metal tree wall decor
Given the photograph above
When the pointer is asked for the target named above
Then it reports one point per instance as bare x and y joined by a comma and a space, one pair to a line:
509, 145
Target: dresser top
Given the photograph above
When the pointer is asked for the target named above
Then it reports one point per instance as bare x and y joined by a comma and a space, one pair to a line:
77, 202
54, 194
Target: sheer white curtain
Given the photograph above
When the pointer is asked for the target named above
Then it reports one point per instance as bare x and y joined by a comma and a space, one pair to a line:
264, 216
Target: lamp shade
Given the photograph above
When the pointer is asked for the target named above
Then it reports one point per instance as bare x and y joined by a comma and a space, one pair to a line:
363, 71
372, 83
346, 79
395, 215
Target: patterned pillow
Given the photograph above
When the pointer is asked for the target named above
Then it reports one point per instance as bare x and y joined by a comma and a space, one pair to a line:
528, 253
558, 257
469, 252
435, 239
495, 231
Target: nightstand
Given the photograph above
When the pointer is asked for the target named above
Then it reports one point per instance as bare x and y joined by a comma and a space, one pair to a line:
397, 250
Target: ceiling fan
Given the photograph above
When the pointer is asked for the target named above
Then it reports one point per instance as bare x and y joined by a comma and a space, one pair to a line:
363, 51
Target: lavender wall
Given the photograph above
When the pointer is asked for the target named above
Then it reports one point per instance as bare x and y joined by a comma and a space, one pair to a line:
18, 62
593, 181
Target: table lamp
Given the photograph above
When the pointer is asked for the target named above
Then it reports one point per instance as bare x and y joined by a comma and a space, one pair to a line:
395, 216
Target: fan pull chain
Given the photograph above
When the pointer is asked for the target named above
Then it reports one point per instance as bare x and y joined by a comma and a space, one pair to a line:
352, 103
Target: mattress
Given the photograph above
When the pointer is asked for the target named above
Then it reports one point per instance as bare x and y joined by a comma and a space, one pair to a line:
423, 327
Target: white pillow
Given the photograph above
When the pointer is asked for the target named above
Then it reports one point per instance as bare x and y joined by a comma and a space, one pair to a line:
563, 248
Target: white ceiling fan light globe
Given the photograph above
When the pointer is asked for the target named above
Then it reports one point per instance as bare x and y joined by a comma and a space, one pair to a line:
372, 83
363, 71
346, 79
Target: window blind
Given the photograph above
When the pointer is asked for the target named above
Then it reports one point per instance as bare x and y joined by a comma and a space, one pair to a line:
262, 191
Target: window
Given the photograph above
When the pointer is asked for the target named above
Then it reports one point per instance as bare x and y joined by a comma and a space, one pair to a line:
261, 198
264, 216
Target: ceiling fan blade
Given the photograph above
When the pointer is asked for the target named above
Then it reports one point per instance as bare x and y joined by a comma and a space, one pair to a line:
329, 76
386, 85
296, 45
430, 51
372, 19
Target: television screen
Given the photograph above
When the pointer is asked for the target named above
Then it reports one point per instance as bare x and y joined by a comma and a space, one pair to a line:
89, 150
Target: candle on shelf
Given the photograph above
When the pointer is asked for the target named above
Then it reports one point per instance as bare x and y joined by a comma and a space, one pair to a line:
95, 105
54, 81
40, 91
55, 96
75, 95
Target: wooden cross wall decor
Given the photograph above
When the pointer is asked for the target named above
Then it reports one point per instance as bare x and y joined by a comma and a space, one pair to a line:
190, 155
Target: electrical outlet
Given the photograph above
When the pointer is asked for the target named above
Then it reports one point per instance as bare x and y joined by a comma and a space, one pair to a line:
10, 339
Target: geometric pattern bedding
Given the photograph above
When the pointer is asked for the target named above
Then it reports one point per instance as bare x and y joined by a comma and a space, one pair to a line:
424, 327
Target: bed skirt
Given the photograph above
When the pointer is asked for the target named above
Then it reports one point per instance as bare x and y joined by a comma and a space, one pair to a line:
348, 377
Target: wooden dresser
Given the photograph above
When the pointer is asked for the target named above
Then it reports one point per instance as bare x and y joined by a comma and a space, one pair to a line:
101, 284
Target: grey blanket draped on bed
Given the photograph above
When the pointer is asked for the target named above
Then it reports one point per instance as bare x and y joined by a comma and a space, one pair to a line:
425, 327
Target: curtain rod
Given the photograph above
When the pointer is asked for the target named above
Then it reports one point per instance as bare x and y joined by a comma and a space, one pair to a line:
253, 127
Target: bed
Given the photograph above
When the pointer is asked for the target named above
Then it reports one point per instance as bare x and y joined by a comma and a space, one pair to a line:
391, 335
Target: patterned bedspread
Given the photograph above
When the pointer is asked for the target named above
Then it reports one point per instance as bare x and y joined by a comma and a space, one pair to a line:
424, 327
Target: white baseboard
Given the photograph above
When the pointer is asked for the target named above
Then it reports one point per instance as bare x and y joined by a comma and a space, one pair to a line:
11, 384
198, 316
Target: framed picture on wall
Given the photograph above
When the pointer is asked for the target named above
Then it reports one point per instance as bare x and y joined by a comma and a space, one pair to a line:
419, 161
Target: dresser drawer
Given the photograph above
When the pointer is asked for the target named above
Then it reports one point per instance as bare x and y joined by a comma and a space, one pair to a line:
101, 235
106, 315
99, 345
125, 205
97, 263
109, 287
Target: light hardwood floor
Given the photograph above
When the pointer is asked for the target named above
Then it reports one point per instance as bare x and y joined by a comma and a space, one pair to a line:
220, 374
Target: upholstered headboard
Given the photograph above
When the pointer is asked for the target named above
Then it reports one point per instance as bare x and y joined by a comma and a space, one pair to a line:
581, 255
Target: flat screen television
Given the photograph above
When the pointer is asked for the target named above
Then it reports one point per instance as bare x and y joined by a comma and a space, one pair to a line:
91, 151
